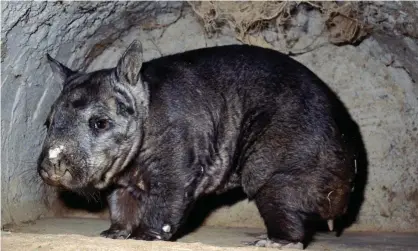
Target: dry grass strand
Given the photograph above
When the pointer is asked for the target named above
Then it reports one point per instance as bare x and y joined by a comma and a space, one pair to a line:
247, 18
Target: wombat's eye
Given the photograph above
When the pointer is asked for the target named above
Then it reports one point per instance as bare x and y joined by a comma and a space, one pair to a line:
100, 124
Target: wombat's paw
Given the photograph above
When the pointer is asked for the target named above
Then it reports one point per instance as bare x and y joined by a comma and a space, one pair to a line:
150, 235
146, 237
271, 244
116, 234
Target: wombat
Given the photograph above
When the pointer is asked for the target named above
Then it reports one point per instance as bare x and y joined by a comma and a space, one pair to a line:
163, 133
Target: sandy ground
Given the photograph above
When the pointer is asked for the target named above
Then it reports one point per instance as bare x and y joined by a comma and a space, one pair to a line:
82, 234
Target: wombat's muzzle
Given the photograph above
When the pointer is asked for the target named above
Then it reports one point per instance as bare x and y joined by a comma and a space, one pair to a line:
55, 167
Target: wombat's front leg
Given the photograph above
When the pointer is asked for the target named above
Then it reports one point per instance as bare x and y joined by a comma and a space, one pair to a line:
163, 210
124, 214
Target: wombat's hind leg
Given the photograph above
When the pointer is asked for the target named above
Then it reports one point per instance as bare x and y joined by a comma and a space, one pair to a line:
282, 215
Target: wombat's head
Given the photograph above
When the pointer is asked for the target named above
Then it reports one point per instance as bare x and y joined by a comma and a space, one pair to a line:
94, 127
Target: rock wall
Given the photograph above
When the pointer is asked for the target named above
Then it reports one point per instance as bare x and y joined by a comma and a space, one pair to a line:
74, 33
376, 80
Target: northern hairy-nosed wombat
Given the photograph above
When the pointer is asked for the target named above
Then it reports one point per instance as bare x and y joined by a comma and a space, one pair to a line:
165, 132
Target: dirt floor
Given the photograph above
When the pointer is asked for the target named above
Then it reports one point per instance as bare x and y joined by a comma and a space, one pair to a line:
82, 234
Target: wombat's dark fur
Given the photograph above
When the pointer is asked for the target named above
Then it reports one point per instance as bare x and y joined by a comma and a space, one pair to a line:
163, 133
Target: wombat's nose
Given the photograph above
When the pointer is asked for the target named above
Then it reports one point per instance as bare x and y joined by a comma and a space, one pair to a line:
52, 170
50, 177
54, 176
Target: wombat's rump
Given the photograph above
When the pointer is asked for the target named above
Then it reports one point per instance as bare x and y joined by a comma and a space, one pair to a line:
209, 120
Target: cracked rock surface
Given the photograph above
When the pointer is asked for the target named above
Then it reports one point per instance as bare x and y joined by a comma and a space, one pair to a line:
377, 80
74, 33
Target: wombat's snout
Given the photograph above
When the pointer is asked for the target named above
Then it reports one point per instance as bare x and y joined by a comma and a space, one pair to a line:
54, 168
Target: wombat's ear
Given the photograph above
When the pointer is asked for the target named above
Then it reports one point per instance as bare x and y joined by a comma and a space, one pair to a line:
61, 70
130, 63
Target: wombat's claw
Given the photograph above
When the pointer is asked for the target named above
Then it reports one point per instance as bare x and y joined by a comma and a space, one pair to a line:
115, 234
271, 244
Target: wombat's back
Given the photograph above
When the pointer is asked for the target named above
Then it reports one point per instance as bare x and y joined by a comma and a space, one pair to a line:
259, 87
239, 66
251, 76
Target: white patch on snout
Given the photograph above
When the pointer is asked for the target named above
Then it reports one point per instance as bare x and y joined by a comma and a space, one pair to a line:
166, 228
53, 153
